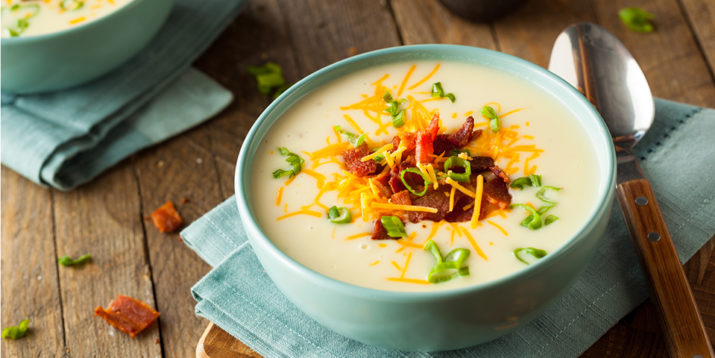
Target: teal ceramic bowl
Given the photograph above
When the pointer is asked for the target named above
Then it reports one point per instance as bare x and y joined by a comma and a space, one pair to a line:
439, 320
70, 57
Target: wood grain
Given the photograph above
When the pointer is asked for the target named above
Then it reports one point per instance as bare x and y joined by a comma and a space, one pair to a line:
701, 17
103, 218
684, 329
182, 168
29, 267
216, 343
428, 21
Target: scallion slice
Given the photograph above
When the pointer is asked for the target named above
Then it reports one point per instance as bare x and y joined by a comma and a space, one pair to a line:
269, 77
16, 332
295, 161
427, 182
491, 114
339, 215
68, 261
71, 5
399, 119
637, 19
438, 91
529, 255
394, 226
550, 219
542, 197
354, 139
450, 266
455, 161
532, 221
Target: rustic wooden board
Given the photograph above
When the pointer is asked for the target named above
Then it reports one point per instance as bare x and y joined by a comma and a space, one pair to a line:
29, 266
103, 218
701, 17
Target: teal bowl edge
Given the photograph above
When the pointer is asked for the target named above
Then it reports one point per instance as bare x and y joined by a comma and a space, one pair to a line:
48, 58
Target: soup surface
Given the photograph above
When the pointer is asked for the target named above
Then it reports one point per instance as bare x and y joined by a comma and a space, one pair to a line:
524, 131
36, 17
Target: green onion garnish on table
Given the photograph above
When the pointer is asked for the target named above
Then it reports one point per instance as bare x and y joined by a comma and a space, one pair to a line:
637, 19
68, 261
455, 161
529, 255
448, 267
425, 179
438, 91
16, 332
269, 78
394, 226
295, 161
491, 114
339, 215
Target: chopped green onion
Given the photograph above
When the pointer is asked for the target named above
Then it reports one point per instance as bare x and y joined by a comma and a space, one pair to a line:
387, 97
458, 151
71, 5
550, 219
455, 161
269, 77
427, 182
398, 120
532, 221
448, 267
378, 158
540, 194
438, 91
16, 332
637, 19
531, 180
295, 161
354, 139
67, 261
394, 226
434, 250
491, 114
529, 255
27, 11
339, 215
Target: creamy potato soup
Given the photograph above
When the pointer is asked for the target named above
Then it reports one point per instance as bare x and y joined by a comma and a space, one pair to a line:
423, 176
36, 17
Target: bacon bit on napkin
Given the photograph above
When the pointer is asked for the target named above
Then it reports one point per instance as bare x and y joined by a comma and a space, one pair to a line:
128, 315
166, 219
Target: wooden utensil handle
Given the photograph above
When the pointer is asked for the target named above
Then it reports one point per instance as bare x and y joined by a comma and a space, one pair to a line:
683, 328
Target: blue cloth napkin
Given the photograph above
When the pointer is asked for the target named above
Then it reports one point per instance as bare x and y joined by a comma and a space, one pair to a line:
64, 139
676, 156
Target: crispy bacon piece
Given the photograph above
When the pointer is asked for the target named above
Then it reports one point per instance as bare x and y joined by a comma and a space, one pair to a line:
434, 199
480, 164
461, 137
424, 143
496, 191
379, 232
500, 174
166, 218
127, 314
442, 145
352, 157
401, 198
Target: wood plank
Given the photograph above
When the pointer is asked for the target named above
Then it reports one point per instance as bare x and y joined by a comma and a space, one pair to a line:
428, 21
103, 218
29, 268
701, 18
180, 168
670, 58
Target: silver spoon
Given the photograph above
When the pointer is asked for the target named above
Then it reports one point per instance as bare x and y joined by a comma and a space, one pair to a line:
599, 65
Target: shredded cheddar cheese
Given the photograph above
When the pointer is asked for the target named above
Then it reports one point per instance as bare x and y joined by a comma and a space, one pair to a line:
477, 201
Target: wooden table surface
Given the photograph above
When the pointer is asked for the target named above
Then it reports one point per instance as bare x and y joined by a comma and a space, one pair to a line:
129, 256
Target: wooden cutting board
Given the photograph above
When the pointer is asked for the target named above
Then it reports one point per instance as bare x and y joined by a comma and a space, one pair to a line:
216, 343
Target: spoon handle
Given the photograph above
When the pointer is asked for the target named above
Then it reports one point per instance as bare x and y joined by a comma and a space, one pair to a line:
683, 328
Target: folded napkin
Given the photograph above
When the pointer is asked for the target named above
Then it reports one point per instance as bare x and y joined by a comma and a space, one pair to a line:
676, 156
64, 139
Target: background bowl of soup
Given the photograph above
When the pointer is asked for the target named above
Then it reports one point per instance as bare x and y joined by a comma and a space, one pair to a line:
73, 46
447, 317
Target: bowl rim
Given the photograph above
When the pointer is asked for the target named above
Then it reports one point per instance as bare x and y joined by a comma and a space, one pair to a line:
70, 30
256, 236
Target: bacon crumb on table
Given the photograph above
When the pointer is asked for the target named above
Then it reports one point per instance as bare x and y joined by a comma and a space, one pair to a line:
127, 314
166, 218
